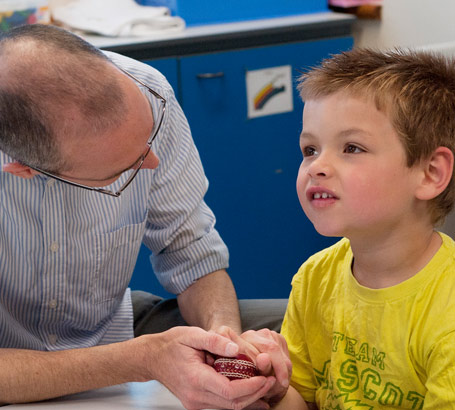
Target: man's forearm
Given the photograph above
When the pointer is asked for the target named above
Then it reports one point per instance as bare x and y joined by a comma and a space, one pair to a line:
211, 302
27, 375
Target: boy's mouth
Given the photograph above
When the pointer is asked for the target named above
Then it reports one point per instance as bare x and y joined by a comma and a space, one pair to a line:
318, 193
323, 195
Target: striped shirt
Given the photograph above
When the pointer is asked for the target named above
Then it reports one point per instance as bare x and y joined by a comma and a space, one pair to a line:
67, 254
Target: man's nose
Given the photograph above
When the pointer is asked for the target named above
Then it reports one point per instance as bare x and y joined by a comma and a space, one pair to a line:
151, 161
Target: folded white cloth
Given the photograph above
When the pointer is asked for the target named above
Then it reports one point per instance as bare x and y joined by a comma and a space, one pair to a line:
115, 18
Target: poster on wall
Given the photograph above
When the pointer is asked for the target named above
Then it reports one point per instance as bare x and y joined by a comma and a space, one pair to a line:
269, 91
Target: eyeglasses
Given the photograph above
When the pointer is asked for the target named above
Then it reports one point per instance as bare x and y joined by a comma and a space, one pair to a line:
140, 161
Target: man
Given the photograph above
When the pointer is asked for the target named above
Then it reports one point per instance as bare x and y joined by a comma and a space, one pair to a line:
97, 156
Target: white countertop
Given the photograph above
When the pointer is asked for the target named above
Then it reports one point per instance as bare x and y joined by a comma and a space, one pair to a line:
222, 29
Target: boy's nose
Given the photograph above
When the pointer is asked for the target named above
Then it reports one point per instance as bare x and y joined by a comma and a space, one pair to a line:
320, 167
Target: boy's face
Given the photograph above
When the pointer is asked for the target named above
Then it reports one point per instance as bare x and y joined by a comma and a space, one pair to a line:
353, 179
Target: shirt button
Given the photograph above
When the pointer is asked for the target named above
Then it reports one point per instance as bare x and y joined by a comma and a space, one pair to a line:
52, 339
53, 304
54, 247
51, 182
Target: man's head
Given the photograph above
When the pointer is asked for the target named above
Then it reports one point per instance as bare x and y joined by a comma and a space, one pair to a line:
415, 90
53, 86
66, 109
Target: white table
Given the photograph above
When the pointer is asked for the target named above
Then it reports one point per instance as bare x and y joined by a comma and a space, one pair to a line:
136, 396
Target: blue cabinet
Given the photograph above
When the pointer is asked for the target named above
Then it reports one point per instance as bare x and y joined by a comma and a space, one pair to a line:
197, 12
251, 164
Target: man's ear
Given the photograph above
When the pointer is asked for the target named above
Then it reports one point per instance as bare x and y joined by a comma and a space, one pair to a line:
437, 173
19, 170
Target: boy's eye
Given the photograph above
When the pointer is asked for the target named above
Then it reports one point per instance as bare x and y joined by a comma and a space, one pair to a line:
352, 149
308, 151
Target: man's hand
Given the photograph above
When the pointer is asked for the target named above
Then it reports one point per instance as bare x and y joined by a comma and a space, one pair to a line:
269, 351
178, 360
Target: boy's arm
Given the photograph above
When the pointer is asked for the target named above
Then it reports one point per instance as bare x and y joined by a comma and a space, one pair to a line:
293, 400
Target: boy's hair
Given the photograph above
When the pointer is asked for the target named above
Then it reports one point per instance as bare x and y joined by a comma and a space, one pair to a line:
415, 89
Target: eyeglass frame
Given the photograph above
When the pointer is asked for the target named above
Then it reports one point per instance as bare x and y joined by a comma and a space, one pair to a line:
139, 161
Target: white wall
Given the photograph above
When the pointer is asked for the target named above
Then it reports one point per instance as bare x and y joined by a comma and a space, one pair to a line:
426, 24
409, 23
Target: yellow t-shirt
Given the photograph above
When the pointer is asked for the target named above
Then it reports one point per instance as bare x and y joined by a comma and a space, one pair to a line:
358, 348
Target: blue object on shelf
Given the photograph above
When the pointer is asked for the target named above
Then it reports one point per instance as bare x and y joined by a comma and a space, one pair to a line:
198, 12
170, 4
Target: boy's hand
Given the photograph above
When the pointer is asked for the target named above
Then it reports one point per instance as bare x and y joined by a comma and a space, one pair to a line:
269, 351
180, 364
273, 359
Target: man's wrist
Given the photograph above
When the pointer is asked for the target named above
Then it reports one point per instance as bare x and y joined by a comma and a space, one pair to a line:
142, 353
226, 322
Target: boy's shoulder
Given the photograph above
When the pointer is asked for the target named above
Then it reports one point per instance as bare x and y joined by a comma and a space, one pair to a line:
441, 267
448, 243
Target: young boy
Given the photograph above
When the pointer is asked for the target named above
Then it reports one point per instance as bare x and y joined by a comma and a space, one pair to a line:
371, 320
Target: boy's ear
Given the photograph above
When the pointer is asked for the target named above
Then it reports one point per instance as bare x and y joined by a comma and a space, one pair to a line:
19, 170
437, 173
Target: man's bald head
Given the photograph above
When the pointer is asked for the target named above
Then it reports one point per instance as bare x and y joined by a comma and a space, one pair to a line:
53, 85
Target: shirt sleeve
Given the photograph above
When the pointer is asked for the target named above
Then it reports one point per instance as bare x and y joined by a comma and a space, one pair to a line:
441, 375
180, 226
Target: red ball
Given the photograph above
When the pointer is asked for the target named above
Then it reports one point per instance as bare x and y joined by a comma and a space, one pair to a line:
239, 367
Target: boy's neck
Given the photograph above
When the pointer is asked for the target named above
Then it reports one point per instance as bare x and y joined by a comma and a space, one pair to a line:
384, 263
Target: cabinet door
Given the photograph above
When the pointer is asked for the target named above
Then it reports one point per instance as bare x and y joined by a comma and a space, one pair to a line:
143, 277
252, 163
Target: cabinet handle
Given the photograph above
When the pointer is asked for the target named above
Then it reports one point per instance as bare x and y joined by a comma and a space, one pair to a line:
210, 75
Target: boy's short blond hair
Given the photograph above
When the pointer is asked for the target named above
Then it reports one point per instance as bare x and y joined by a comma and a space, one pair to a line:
416, 90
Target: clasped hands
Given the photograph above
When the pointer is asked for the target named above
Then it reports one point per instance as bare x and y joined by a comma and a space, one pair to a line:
269, 351
182, 360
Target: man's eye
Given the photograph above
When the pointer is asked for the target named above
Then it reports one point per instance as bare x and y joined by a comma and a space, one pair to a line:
353, 149
308, 151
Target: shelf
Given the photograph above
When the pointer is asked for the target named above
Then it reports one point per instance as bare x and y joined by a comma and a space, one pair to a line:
230, 36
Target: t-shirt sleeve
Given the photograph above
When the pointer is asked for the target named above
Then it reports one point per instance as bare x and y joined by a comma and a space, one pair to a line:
441, 375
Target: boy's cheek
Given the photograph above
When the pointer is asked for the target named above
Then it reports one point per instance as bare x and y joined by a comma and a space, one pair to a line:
301, 188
